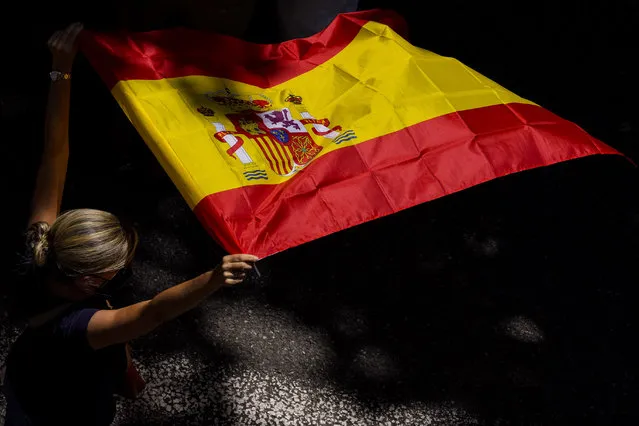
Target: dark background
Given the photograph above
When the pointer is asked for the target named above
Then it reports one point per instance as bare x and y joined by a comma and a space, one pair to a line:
437, 284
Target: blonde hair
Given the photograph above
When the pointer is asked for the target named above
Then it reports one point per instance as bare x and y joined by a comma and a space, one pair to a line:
83, 242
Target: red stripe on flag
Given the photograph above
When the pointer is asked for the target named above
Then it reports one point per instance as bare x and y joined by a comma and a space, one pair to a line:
273, 153
379, 177
260, 144
284, 157
287, 156
178, 52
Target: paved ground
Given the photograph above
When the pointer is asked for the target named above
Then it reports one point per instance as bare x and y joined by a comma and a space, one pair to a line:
510, 303
470, 310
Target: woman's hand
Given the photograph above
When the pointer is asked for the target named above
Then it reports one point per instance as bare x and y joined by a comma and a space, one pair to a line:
63, 46
234, 268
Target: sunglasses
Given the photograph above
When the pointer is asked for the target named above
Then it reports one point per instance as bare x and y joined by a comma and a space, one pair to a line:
116, 281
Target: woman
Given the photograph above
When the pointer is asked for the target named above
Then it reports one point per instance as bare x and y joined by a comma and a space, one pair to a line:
72, 358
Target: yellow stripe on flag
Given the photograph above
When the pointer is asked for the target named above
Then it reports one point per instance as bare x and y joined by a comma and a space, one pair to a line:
369, 89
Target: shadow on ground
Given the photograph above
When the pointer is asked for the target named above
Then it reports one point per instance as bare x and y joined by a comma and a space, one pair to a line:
514, 297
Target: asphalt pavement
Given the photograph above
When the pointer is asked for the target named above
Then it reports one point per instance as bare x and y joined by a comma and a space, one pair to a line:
509, 303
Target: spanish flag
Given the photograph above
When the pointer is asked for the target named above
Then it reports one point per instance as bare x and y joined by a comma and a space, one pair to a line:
277, 145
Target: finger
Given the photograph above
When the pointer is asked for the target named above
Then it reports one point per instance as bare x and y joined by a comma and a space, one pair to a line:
241, 265
76, 28
65, 37
54, 38
73, 26
59, 41
236, 266
241, 258
71, 33
233, 282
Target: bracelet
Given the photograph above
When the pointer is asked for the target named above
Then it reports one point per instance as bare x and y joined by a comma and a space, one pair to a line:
58, 75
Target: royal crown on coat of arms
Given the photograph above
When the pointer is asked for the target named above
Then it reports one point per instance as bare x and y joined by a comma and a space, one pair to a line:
285, 137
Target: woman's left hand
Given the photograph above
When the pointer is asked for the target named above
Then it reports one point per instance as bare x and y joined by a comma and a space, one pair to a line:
63, 46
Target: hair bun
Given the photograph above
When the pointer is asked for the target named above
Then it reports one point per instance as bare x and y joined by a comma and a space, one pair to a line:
38, 242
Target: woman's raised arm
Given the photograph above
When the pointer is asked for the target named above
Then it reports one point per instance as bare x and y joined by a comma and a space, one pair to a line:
49, 186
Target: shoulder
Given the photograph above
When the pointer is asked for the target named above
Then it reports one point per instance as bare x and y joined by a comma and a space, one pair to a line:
74, 323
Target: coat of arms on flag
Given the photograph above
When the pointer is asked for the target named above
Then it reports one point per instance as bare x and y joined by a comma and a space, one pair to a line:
261, 136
